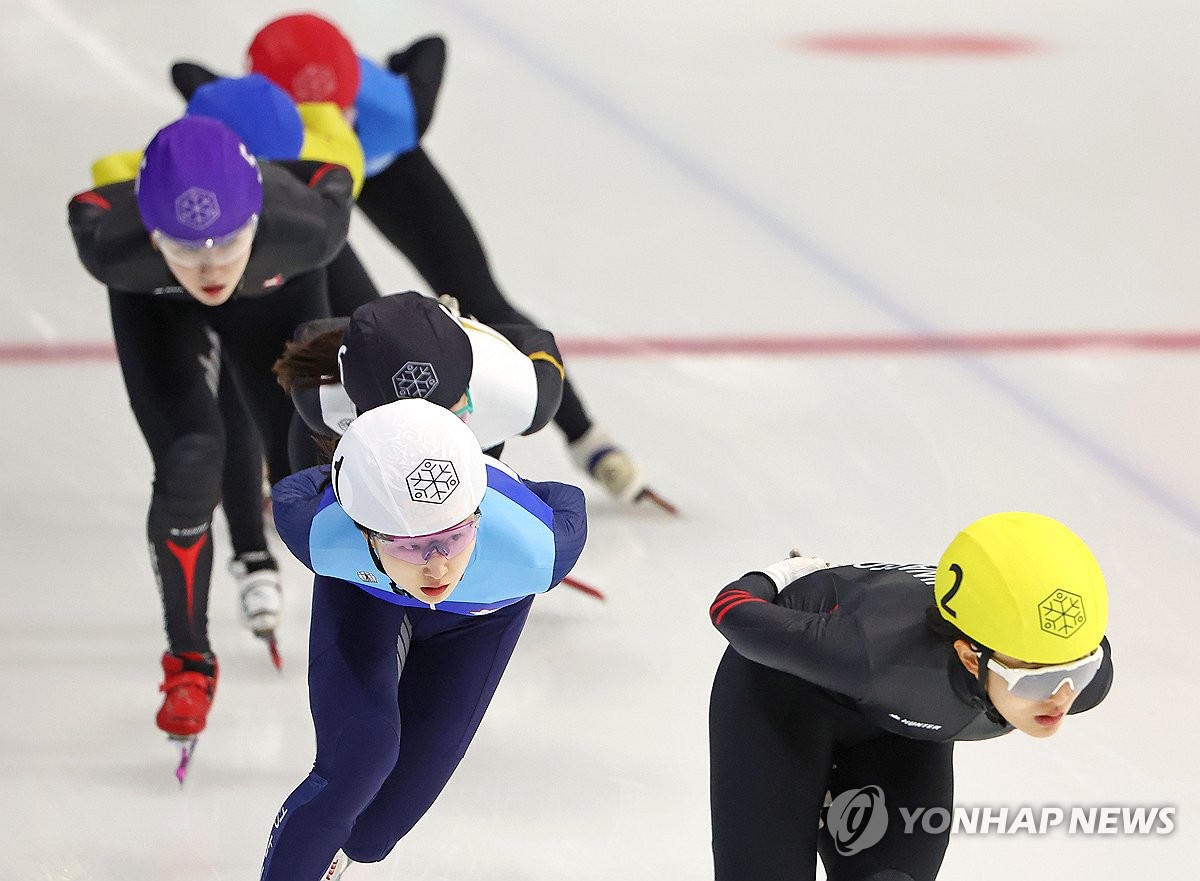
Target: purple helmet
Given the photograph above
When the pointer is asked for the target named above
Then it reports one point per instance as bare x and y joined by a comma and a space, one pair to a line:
197, 181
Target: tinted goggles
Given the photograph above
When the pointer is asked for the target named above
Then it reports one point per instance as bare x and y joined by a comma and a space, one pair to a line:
418, 549
208, 252
1040, 683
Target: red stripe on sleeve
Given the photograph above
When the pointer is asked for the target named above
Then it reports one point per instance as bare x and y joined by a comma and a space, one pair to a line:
726, 597
91, 197
320, 173
748, 599
727, 600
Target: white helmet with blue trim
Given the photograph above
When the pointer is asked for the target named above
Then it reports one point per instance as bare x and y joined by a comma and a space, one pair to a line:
408, 468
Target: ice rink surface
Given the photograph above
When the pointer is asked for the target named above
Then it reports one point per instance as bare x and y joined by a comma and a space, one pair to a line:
683, 171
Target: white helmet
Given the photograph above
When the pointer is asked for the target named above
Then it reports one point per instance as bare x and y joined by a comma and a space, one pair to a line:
408, 468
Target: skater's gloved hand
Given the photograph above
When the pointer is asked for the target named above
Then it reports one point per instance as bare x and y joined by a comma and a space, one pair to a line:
796, 566
188, 76
423, 63
450, 302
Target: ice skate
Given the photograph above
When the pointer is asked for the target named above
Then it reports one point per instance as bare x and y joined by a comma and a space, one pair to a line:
583, 587
187, 749
260, 597
614, 469
451, 302
189, 685
338, 867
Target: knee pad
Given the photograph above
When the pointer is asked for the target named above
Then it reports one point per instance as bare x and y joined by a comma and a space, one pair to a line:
187, 483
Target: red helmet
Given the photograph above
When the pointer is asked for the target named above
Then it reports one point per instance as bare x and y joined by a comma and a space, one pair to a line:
307, 57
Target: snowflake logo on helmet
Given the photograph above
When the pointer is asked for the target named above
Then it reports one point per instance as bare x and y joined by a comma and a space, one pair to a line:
416, 379
314, 82
433, 481
1062, 613
197, 208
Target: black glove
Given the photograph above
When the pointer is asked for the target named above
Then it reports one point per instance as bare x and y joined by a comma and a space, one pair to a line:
188, 76
423, 62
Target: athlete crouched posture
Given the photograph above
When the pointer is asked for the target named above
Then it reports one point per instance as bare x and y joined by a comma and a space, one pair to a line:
209, 258
406, 197
273, 127
856, 681
427, 556
502, 381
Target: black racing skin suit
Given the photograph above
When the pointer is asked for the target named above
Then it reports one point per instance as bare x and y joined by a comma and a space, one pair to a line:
836, 683
173, 350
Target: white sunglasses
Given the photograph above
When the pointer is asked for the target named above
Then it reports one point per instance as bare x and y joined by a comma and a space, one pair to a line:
1041, 683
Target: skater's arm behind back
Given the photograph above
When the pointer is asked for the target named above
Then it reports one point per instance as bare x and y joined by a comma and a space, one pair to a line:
294, 501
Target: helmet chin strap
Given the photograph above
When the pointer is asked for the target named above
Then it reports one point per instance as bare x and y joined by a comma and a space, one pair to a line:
981, 694
379, 566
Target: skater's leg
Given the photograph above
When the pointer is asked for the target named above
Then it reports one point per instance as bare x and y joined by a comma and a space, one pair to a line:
253, 334
242, 478
912, 774
169, 364
170, 370
352, 693
350, 286
414, 208
771, 740
448, 680
254, 568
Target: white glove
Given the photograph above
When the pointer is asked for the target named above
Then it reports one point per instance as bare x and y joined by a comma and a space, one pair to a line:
450, 302
795, 566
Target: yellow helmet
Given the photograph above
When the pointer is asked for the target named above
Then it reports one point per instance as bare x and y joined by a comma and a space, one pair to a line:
1025, 586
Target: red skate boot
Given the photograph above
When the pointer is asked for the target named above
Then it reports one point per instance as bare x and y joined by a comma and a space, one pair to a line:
189, 683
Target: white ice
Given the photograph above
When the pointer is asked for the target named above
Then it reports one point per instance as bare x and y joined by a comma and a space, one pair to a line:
669, 169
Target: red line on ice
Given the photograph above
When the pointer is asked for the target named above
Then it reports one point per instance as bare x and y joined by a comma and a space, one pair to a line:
769, 346
928, 44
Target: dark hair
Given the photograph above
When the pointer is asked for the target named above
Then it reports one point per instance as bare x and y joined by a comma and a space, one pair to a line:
310, 363
325, 447
939, 626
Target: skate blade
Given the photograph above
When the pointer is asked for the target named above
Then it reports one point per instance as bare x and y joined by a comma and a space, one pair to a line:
268, 636
649, 495
187, 749
583, 588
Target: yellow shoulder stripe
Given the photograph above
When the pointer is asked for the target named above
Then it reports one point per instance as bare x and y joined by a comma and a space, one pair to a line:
329, 138
546, 356
116, 167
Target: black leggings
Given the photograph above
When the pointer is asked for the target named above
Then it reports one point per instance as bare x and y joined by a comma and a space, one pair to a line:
412, 205
172, 353
777, 745
241, 487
